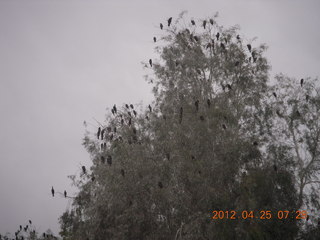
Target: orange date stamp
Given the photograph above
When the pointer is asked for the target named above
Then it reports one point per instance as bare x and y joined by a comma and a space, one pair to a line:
263, 214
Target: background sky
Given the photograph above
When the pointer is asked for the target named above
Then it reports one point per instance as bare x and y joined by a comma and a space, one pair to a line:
63, 62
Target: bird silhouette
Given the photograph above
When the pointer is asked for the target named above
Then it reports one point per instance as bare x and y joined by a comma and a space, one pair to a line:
196, 38
238, 37
111, 136
109, 160
104, 146
122, 172
134, 113
101, 146
154, 39
20, 227
255, 143
202, 118
84, 169
160, 185
193, 22
208, 102
169, 21
181, 113
301, 82
307, 97
150, 109
229, 86
134, 131
93, 178
237, 63
208, 45
211, 21
65, 193
150, 62
224, 126
103, 160
222, 46
115, 129
131, 106
217, 36
102, 134
98, 133
52, 192
127, 106
196, 103
204, 24
161, 26
30, 222
115, 108
129, 123
129, 113
249, 47
274, 94
112, 111
122, 121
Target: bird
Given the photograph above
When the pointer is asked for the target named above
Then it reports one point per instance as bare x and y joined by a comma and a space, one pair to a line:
160, 185
101, 146
208, 45
301, 82
208, 102
52, 192
150, 62
217, 35
249, 47
84, 169
114, 108
204, 24
103, 160
111, 136
193, 22
104, 146
30, 222
129, 113
135, 113
109, 160
238, 37
229, 86
193, 157
255, 143
93, 178
237, 63
134, 131
307, 97
298, 113
98, 133
196, 38
154, 39
222, 46
202, 118
181, 112
127, 106
122, 121
131, 106
307, 217
20, 227
161, 26
198, 71
211, 21
274, 94
224, 126
150, 109
112, 111
196, 103
65, 193
115, 129
169, 21
122, 172
275, 168
168, 156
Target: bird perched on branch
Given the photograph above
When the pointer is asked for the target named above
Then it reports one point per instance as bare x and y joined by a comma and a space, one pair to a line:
98, 133
161, 26
150, 62
154, 39
193, 22
204, 24
52, 192
169, 21
84, 169
249, 47
211, 21
65, 193
301, 82
150, 108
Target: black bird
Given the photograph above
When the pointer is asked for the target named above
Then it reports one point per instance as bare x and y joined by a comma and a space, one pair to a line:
224, 126
129, 113
134, 131
150, 62
65, 193
150, 109
115, 129
103, 160
307, 98
161, 26
127, 106
274, 94
115, 108
181, 112
211, 21
52, 192
238, 37
93, 178
98, 133
198, 71
301, 82
208, 102
278, 113
135, 113
223, 46
102, 134
122, 121
168, 156
109, 160
275, 168
193, 157
111, 136
160, 184
169, 21
112, 111
202, 118
249, 47
44, 235
147, 117
101, 146
237, 63
129, 123
229, 86
255, 143
154, 39
131, 106
20, 227
30, 222
84, 169
204, 24
298, 113
208, 45
217, 36
122, 172
196, 38
196, 103
307, 217
105, 146
193, 22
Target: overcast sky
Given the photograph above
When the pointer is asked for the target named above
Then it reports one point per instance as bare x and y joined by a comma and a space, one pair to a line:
63, 62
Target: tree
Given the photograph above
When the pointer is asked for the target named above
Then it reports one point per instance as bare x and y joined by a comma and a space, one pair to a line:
208, 142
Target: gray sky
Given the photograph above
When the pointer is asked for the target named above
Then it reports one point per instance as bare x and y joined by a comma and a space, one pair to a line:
63, 62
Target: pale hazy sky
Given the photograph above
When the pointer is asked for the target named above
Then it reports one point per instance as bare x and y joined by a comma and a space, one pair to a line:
63, 62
